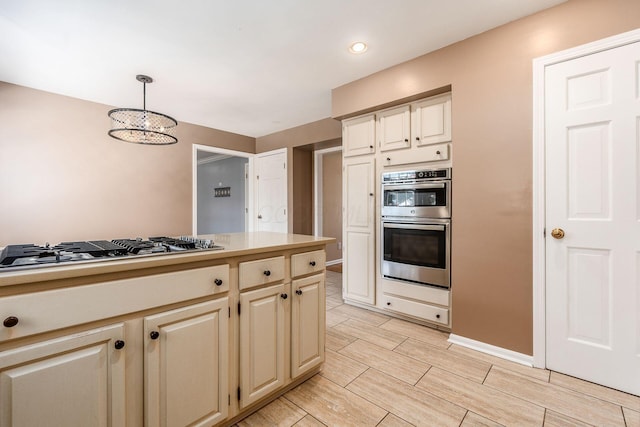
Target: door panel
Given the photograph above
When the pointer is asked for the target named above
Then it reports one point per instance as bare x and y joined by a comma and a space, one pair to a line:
592, 151
261, 343
76, 380
271, 191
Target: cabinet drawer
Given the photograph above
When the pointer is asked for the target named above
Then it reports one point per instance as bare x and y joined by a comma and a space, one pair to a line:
308, 262
426, 294
260, 272
60, 308
417, 309
431, 153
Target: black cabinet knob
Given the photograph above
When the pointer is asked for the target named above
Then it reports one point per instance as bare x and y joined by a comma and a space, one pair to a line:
218, 282
154, 335
437, 316
267, 273
388, 303
371, 194
10, 322
312, 263
417, 138
298, 291
438, 152
406, 140
388, 159
371, 147
284, 296
119, 344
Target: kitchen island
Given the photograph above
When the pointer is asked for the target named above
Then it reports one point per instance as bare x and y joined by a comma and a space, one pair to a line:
195, 338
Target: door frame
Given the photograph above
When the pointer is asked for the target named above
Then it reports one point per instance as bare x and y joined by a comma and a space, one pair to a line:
317, 187
539, 194
194, 181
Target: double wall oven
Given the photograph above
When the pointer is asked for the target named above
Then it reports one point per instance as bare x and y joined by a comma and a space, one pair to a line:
416, 226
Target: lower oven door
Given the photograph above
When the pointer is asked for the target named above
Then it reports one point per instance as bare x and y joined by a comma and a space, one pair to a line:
418, 252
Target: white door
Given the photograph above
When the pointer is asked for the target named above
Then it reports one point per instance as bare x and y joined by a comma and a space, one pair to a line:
592, 122
271, 191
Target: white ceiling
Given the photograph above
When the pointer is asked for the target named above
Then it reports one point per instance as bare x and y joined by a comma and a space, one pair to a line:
251, 67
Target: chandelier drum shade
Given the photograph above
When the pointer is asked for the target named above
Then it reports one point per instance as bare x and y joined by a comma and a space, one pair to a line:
142, 126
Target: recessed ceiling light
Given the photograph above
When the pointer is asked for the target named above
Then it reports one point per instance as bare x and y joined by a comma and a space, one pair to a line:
358, 47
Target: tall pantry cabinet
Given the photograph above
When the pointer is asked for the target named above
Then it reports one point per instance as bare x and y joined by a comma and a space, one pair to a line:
358, 204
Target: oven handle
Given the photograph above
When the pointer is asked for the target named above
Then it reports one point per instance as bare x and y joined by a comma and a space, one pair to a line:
413, 186
414, 226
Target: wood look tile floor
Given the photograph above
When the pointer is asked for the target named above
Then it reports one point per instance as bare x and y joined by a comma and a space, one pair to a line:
382, 371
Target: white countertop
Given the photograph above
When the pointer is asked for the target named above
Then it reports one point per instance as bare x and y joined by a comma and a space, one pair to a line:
235, 244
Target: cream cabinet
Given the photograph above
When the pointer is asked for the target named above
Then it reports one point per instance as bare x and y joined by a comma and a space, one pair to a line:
358, 136
160, 345
73, 381
432, 120
358, 205
187, 349
262, 342
394, 128
307, 311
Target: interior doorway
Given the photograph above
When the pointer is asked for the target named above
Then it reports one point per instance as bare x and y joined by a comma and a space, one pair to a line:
328, 200
221, 186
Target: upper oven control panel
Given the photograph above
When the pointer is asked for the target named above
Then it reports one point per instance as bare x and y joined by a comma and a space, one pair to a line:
416, 175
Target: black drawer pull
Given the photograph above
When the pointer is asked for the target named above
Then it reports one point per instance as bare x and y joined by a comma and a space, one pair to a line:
218, 282
10, 322
119, 344
154, 335
284, 296
298, 291
267, 273
312, 263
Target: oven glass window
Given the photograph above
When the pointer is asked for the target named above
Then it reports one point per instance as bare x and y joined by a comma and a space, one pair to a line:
425, 248
416, 197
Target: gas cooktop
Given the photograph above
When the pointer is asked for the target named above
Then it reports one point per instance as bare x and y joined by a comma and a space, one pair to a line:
30, 255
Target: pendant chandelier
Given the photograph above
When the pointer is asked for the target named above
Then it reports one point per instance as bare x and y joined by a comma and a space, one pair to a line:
142, 126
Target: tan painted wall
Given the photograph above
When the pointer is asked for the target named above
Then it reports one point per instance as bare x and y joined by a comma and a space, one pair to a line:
491, 79
323, 133
63, 178
332, 202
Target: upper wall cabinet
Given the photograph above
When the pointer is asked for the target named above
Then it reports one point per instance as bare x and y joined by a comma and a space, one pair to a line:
358, 136
394, 128
432, 124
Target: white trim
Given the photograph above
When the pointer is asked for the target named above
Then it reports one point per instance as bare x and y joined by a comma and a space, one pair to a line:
500, 352
539, 66
334, 262
317, 187
194, 178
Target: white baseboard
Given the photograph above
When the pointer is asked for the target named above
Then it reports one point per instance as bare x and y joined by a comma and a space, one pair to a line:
503, 353
334, 262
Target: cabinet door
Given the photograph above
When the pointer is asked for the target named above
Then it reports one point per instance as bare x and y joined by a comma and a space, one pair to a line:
358, 136
433, 120
186, 365
262, 329
358, 235
73, 381
394, 128
307, 324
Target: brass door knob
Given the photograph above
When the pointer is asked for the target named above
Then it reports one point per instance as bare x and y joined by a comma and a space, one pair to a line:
557, 233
